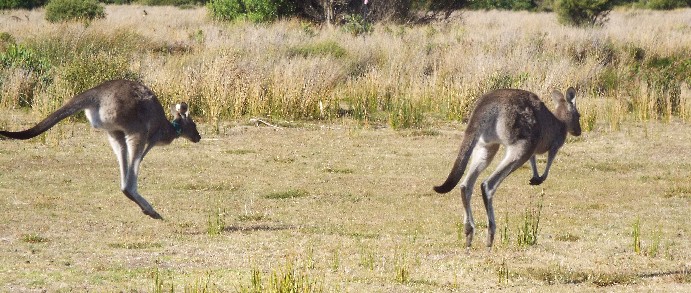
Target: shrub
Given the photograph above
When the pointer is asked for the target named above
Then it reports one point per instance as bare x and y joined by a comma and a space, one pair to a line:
504, 4
26, 4
67, 10
166, 2
252, 10
583, 12
665, 4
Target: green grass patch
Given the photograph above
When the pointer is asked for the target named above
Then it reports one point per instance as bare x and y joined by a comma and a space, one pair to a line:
34, 238
209, 186
239, 152
324, 48
251, 217
288, 279
678, 191
615, 167
292, 193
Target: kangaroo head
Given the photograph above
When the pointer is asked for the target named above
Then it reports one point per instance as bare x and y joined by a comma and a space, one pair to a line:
185, 127
566, 110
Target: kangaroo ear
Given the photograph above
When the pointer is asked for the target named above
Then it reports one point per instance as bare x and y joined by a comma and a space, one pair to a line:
571, 95
180, 109
557, 96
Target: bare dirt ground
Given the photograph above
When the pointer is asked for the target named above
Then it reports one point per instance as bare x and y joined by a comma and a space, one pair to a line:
349, 208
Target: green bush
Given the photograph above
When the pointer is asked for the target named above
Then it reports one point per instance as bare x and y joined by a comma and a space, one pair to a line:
504, 4
68, 10
584, 12
252, 10
26, 4
665, 4
168, 2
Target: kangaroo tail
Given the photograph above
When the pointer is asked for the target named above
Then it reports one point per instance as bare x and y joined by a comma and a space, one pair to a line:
464, 153
75, 105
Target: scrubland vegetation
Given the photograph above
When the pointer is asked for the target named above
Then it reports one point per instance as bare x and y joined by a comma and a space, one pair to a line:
330, 201
634, 68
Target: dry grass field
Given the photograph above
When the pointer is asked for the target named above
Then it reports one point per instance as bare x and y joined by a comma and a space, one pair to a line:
334, 204
340, 208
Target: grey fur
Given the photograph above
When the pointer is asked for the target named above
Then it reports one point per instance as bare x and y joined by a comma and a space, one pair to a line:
135, 122
521, 122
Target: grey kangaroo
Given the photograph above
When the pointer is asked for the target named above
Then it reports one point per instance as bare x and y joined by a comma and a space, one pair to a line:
135, 122
522, 123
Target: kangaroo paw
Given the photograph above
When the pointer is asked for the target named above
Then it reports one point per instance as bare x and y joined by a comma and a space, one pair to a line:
536, 180
153, 214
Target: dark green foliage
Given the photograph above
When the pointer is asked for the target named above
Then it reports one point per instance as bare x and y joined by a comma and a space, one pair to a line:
33, 63
357, 25
23, 57
584, 12
69, 10
252, 10
26, 4
665, 4
167, 2
505, 4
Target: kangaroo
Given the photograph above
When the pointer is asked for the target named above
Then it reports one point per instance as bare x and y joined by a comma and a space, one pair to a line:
522, 123
135, 122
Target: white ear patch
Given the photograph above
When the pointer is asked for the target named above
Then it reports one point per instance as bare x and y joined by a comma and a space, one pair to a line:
177, 107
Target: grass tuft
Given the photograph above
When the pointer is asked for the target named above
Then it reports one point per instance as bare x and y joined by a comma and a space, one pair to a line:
136, 245
287, 279
292, 193
34, 238
216, 223
528, 230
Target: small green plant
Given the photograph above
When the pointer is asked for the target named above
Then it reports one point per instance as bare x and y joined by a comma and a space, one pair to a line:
34, 238
528, 230
366, 257
216, 222
405, 115
335, 260
460, 231
158, 282
357, 25
654, 248
503, 272
401, 266
74, 10
636, 235
504, 232
289, 279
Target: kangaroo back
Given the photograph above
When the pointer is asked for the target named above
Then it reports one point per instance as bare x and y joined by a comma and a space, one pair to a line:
467, 146
73, 106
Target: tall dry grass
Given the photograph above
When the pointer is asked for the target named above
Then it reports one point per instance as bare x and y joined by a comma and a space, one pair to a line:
399, 74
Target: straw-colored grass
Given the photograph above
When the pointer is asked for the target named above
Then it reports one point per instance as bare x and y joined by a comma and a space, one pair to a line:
398, 74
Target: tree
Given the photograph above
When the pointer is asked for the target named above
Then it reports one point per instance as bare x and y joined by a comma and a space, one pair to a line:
584, 12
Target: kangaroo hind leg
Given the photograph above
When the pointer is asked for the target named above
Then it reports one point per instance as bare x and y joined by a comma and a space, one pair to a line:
481, 157
516, 155
136, 147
